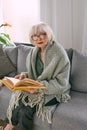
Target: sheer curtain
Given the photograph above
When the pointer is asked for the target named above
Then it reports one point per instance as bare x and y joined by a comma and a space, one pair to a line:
68, 19
57, 13
84, 42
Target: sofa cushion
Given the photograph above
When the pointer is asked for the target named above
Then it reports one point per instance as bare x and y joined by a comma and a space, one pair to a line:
78, 77
71, 115
70, 54
12, 53
6, 66
23, 51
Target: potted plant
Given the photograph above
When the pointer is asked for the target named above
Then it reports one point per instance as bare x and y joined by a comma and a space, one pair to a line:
5, 38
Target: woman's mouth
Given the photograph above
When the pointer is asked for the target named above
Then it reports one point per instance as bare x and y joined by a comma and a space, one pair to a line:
40, 42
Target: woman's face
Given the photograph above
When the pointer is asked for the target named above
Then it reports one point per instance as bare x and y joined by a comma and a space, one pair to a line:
40, 40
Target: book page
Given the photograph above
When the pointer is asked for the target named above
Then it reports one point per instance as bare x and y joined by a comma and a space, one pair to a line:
13, 81
7, 83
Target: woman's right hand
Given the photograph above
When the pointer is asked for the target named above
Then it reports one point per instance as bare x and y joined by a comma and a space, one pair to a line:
20, 76
32, 91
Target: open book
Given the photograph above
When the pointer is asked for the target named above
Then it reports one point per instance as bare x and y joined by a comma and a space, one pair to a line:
24, 84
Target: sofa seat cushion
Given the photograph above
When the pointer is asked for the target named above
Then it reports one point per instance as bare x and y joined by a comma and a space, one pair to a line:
78, 78
69, 116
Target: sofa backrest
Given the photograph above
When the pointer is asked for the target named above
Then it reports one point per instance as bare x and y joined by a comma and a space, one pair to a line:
23, 51
78, 72
78, 78
18, 56
12, 53
7, 63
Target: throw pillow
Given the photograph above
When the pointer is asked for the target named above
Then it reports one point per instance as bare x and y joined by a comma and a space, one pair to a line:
23, 51
78, 77
70, 54
6, 66
12, 53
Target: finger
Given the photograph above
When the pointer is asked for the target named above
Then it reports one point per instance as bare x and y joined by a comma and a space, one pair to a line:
22, 77
17, 76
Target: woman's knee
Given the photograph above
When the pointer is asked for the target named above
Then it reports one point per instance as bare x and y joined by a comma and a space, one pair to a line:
26, 112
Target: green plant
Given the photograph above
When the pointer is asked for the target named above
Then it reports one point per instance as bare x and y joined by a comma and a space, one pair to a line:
5, 38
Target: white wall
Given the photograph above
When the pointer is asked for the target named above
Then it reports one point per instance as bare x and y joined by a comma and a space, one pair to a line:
21, 14
66, 17
1, 15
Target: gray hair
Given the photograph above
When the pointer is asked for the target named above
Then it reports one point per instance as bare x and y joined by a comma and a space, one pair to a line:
42, 28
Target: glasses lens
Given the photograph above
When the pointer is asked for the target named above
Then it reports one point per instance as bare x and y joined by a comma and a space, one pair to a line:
34, 38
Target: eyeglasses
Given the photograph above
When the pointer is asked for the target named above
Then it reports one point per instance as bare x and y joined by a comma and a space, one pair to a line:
36, 37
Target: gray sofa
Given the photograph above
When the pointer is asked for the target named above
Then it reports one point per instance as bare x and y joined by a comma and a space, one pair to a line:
68, 116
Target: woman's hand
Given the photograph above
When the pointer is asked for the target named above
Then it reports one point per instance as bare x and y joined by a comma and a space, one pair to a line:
20, 76
32, 91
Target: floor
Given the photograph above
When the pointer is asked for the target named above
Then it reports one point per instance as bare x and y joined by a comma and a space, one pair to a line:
3, 124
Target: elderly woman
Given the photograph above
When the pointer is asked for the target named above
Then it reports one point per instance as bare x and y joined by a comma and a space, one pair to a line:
47, 63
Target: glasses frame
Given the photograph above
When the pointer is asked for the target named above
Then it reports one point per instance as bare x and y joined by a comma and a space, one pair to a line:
40, 36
